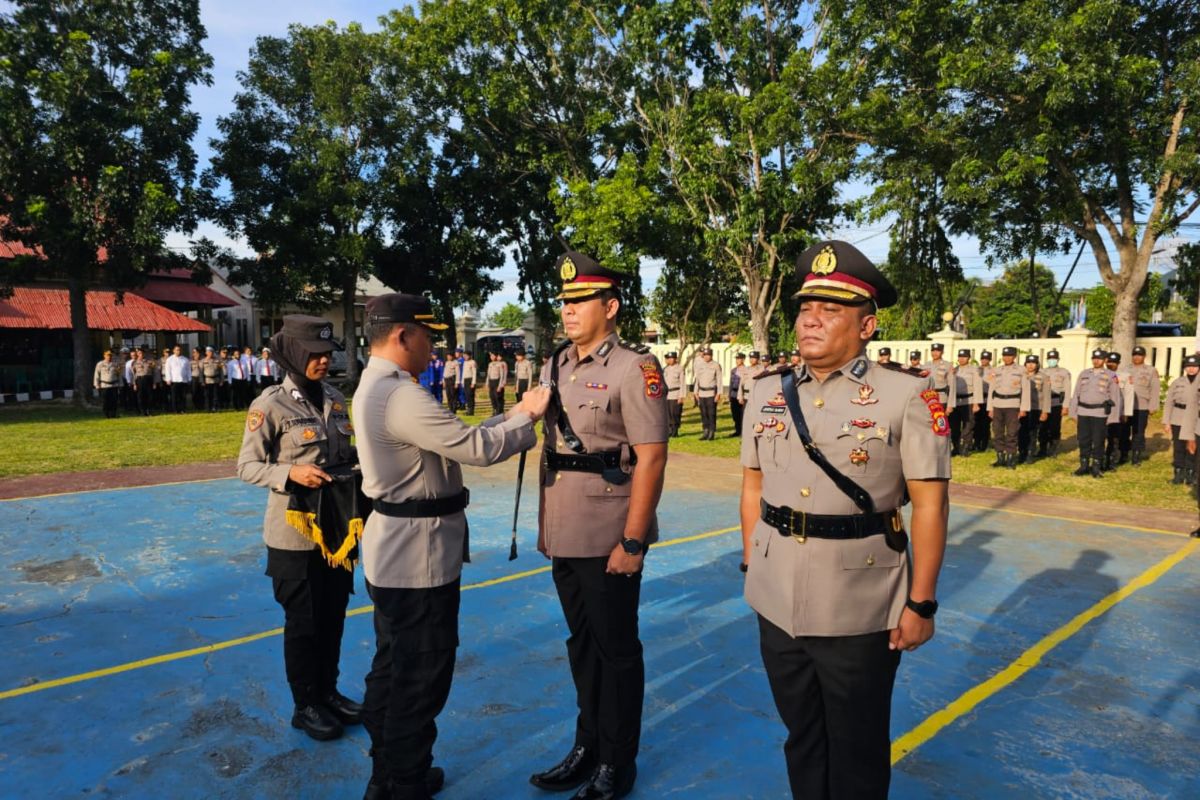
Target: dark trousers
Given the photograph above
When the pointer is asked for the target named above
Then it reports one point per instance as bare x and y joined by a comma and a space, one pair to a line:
145, 394
469, 396
601, 611
708, 413
314, 596
211, 396
1004, 429
239, 394
197, 394
962, 429
675, 410
1091, 436
834, 695
108, 399
223, 395
496, 395
1027, 431
983, 428
179, 397
1114, 435
1050, 431
1179, 453
416, 640
522, 388
737, 410
451, 394
1137, 431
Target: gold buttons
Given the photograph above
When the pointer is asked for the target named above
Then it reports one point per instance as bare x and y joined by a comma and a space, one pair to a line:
871, 560
591, 402
574, 378
805, 492
819, 403
608, 489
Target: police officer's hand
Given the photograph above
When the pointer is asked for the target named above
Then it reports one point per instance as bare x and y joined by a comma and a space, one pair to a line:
534, 402
1045, 416
991, 414
1191, 445
912, 632
1022, 415
975, 407
621, 563
309, 475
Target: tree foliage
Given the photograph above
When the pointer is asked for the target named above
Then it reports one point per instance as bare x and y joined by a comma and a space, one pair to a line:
510, 317
96, 163
1003, 309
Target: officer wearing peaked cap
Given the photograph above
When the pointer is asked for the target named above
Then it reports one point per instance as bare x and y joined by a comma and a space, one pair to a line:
676, 390
983, 419
830, 453
1115, 450
1182, 395
1144, 387
707, 374
968, 395
885, 355
1008, 401
1058, 381
1095, 403
603, 462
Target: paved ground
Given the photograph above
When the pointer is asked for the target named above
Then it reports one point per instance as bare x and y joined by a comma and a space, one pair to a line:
142, 656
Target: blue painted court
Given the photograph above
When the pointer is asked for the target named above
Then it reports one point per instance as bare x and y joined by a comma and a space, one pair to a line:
142, 658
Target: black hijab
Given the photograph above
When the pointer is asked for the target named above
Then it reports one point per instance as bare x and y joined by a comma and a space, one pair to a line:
292, 354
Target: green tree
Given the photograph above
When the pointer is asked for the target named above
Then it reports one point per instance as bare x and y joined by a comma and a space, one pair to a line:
1187, 275
510, 317
1101, 304
1090, 102
96, 164
1003, 309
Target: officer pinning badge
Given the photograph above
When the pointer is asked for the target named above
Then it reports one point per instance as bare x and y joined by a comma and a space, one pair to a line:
859, 456
567, 271
937, 413
825, 261
653, 379
254, 420
864, 396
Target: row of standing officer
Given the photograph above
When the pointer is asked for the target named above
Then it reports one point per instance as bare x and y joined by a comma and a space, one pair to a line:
1181, 419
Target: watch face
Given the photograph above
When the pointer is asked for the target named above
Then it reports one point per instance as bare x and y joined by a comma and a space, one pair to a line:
632, 546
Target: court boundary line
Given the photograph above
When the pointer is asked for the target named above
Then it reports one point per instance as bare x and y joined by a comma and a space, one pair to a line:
968, 701
179, 655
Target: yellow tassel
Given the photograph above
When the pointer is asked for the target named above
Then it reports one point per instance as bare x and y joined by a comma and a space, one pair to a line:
306, 524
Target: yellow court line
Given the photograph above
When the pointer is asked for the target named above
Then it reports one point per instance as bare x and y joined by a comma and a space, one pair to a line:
254, 637
114, 489
1117, 525
935, 722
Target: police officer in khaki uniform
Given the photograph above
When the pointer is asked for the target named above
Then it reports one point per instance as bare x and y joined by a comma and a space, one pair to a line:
470, 377
212, 374
968, 395
983, 419
604, 456
523, 372
416, 537
707, 375
1189, 431
885, 356
942, 372
107, 379
1034, 413
497, 378
837, 593
296, 440
1058, 381
737, 375
142, 370
1095, 403
1181, 397
1007, 401
752, 370
1145, 387
676, 391
450, 379
914, 364
1117, 431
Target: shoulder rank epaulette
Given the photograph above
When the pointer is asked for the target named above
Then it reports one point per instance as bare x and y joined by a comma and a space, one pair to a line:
640, 349
778, 369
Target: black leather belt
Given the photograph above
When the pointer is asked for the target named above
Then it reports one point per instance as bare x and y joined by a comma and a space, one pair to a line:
673, 388
941, 388
435, 507
108, 383
1105, 406
1059, 396
801, 525
999, 396
706, 388
585, 462
1180, 407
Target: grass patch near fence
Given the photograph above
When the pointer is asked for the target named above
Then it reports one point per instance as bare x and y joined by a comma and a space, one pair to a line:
42, 438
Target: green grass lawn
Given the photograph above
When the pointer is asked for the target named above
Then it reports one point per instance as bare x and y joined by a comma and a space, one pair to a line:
41, 438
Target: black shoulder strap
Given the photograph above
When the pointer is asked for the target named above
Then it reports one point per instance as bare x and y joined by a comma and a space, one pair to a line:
851, 489
560, 415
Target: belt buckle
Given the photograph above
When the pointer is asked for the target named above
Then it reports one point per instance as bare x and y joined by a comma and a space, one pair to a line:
897, 521
802, 536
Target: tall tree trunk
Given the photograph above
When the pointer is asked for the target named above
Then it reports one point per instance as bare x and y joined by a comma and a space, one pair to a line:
349, 329
1124, 324
759, 301
81, 341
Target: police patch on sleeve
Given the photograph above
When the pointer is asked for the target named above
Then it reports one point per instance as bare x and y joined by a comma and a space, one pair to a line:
653, 379
937, 413
254, 420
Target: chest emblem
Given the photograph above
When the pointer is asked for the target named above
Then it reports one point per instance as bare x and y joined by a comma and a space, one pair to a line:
776, 425
600, 386
652, 377
777, 401
859, 456
254, 420
338, 406
864, 396
937, 413
309, 434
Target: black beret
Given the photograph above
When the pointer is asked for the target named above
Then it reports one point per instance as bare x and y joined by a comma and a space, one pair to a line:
672, 354
740, 356
315, 333
1008, 351
399, 307
839, 272
582, 276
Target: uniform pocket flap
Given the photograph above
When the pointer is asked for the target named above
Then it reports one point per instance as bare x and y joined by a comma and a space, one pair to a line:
869, 553
598, 487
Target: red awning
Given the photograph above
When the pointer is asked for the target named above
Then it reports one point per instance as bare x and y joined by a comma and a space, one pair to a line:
47, 309
182, 293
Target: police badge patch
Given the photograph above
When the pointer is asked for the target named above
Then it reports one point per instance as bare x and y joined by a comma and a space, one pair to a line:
652, 377
254, 420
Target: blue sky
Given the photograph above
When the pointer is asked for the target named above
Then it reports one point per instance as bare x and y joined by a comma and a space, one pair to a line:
234, 26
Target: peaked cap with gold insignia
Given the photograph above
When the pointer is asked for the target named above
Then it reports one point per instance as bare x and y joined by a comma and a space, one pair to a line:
582, 276
839, 272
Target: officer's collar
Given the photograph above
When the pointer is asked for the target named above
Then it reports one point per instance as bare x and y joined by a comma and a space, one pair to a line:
855, 369
601, 353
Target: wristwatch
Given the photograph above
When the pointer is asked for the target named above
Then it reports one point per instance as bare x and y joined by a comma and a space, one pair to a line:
924, 609
632, 546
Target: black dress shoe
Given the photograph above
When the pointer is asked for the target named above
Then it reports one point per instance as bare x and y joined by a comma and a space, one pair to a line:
317, 721
608, 783
346, 710
573, 770
435, 779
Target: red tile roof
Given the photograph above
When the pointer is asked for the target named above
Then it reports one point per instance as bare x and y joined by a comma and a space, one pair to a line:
50, 309
182, 292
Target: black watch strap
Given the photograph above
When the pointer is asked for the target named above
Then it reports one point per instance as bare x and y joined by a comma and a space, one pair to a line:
924, 609
633, 546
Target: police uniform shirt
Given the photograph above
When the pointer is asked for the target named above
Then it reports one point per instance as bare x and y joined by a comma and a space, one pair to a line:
450, 371
942, 372
673, 379
707, 375
142, 368
968, 385
210, 370
614, 398
411, 448
747, 384
1145, 387
1095, 387
1009, 388
1181, 395
469, 371
282, 430
497, 371
1039, 399
107, 375
524, 370
879, 427
1125, 390
1059, 386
